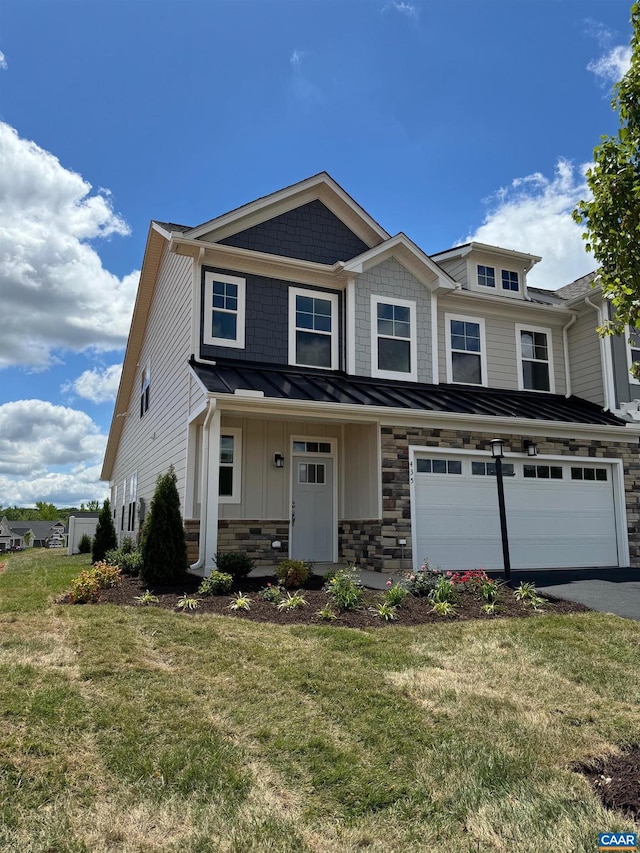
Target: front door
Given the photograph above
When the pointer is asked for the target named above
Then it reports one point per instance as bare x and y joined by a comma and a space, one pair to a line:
312, 515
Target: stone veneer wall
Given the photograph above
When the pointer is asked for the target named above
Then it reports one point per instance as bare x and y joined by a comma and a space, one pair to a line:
359, 542
255, 538
396, 503
192, 535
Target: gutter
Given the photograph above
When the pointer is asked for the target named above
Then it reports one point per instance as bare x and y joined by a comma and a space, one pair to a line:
605, 359
565, 346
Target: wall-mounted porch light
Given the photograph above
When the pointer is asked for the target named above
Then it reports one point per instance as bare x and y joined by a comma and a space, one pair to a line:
278, 460
530, 447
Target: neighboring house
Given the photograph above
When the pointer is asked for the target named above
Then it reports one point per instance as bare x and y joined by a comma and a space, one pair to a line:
328, 391
30, 534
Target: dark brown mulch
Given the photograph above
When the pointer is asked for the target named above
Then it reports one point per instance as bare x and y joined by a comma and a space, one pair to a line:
414, 611
616, 780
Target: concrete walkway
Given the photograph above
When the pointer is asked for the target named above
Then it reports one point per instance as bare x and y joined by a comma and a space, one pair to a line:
607, 590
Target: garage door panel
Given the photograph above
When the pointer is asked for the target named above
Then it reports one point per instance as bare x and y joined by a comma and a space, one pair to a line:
551, 523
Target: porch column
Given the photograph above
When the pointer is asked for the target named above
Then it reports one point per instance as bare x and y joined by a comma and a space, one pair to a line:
209, 513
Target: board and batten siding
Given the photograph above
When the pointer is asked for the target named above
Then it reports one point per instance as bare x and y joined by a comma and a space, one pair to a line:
149, 445
501, 346
265, 489
585, 359
390, 279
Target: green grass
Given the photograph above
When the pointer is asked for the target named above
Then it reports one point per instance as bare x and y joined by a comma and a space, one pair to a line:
140, 729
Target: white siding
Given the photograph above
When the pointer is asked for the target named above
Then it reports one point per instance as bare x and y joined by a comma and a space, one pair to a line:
149, 445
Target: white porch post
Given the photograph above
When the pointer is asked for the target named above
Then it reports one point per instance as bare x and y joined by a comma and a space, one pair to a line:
209, 517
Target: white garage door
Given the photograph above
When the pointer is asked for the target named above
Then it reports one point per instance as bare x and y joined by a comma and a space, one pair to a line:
559, 514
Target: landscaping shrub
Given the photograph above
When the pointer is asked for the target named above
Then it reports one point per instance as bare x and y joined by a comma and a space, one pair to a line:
345, 588
105, 538
218, 583
422, 582
84, 545
235, 563
87, 585
130, 562
163, 545
292, 573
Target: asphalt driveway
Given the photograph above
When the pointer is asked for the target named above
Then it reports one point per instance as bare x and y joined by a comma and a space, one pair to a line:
607, 590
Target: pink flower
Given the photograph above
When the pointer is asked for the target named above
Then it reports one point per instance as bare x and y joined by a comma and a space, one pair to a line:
388, 583
448, 574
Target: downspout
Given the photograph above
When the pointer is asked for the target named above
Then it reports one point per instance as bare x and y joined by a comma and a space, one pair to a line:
565, 345
204, 488
603, 358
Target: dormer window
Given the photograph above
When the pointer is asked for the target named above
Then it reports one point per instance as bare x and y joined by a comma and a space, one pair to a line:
486, 276
510, 280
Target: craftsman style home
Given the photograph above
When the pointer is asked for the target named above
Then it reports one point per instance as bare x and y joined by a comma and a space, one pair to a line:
328, 391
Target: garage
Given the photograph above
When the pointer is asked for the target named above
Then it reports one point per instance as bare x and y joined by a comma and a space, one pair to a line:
562, 512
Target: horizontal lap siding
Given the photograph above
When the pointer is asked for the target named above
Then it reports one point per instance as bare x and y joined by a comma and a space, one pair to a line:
584, 355
149, 445
457, 269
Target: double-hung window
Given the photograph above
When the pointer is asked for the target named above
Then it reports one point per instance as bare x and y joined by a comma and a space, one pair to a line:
313, 328
145, 384
224, 310
466, 351
230, 459
393, 338
133, 494
510, 280
535, 357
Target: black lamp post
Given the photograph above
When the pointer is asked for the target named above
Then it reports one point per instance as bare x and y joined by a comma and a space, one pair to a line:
497, 452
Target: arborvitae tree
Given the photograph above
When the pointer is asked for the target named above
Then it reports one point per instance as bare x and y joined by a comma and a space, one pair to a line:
105, 538
163, 544
84, 545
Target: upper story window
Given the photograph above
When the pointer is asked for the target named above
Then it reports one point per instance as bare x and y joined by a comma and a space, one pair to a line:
466, 350
313, 328
393, 338
133, 490
224, 310
230, 457
510, 280
534, 354
486, 276
633, 351
145, 384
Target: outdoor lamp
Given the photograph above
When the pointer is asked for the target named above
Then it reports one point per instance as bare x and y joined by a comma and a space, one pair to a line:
497, 451
530, 447
278, 460
497, 448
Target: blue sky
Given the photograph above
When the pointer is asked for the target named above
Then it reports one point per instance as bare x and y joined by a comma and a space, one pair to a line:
445, 119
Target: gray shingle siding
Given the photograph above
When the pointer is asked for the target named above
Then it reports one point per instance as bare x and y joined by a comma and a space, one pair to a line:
310, 232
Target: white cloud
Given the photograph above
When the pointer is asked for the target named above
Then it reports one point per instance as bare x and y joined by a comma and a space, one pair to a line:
613, 65
55, 291
48, 452
534, 215
3, 62
96, 385
407, 9
296, 57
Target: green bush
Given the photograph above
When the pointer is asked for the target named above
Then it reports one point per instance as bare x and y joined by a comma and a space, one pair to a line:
422, 583
345, 588
130, 562
163, 545
218, 583
84, 545
292, 573
105, 538
235, 563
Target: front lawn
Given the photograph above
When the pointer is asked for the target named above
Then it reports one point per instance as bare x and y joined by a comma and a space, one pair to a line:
141, 729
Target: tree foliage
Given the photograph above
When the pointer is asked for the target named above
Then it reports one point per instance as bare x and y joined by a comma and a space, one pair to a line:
46, 511
612, 216
163, 544
105, 536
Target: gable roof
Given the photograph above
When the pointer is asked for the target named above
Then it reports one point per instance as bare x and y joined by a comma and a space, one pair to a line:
410, 255
320, 187
289, 383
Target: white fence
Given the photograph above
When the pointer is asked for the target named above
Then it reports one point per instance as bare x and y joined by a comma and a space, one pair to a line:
77, 529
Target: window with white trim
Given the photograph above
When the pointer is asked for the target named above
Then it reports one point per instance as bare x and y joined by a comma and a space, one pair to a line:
230, 462
133, 489
486, 276
466, 358
438, 466
510, 280
393, 338
114, 503
313, 328
535, 357
633, 351
488, 469
311, 473
145, 384
124, 503
224, 310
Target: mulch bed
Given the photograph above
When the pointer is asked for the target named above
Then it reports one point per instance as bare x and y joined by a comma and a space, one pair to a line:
616, 780
414, 611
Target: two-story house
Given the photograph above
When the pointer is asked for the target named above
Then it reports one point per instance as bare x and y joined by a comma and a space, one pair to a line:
328, 391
